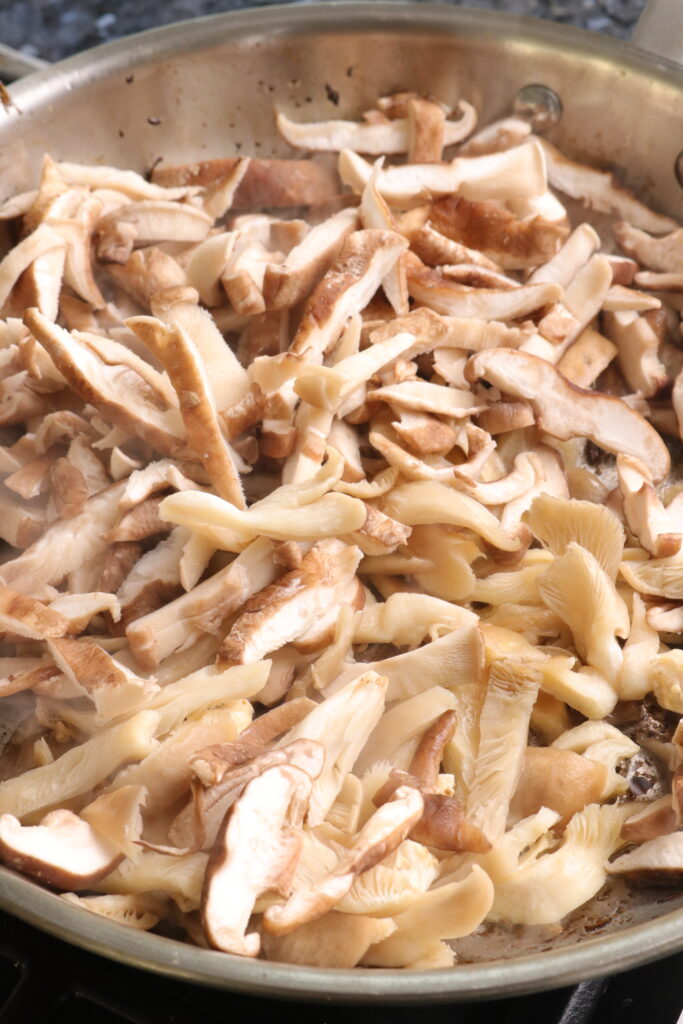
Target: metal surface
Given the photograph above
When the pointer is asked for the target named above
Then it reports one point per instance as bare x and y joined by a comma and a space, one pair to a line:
208, 88
660, 29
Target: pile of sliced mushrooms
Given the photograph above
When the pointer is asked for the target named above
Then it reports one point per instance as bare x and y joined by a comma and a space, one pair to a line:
343, 573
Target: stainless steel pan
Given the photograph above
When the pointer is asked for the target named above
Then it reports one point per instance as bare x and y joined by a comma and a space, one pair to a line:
208, 88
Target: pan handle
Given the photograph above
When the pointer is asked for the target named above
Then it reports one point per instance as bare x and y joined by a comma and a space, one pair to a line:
660, 29
15, 64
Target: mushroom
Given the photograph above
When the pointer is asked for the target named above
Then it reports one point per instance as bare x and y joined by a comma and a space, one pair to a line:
117, 816
565, 264
149, 579
113, 689
29, 618
497, 136
436, 250
565, 411
583, 299
637, 351
559, 779
38, 244
406, 619
656, 818
484, 226
334, 940
500, 176
179, 877
80, 769
503, 728
140, 911
605, 744
446, 912
657, 862
557, 522
148, 220
255, 852
584, 689
659, 254
435, 331
63, 850
646, 516
141, 522
427, 129
395, 136
660, 577
586, 358
601, 191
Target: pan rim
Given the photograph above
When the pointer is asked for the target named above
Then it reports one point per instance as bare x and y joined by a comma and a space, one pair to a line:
24, 898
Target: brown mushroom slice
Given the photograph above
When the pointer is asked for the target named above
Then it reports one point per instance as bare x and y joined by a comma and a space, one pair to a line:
36, 245
482, 225
397, 735
427, 129
428, 502
601, 191
80, 769
604, 743
578, 589
380, 836
148, 220
657, 818
211, 764
656, 862
146, 273
335, 940
517, 173
118, 392
424, 434
648, 520
219, 195
29, 618
64, 546
503, 728
256, 851
435, 249
559, 779
287, 283
342, 723
434, 331
576, 251
117, 816
446, 912
566, 411
141, 522
638, 351
144, 581
365, 259
155, 476
377, 139
155, 636
460, 653
63, 850
189, 376
113, 689
433, 289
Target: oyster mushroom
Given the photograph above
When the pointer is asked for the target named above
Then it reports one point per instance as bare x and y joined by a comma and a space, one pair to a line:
559, 779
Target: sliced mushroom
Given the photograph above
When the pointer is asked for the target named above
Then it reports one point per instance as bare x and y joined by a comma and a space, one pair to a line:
63, 850
559, 779
657, 862
557, 522
256, 851
565, 411
148, 220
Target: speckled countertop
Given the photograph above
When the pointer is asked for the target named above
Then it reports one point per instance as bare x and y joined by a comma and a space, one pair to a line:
57, 28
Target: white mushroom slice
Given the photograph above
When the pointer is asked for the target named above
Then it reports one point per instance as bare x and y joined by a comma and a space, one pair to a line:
638, 348
79, 770
288, 608
503, 729
128, 183
578, 589
149, 220
665, 672
660, 282
207, 687
287, 283
65, 545
586, 358
498, 492
135, 911
605, 744
117, 816
364, 261
512, 587
146, 273
459, 655
585, 690
646, 516
547, 887
517, 173
380, 836
42, 241
375, 213
312, 431
335, 940
114, 690
206, 266
433, 331
219, 195
118, 392
29, 618
79, 609
661, 577
427, 501
63, 851
202, 610
497, 136
422, 396
180, 877
433, 289
165, 772
657, 862
620, 299
565, 411
156, 476
446, 912
640, 649
556, 522
583, 299
396, 736
572, 256
664, 255
375, 139
256, 851
513, 244
601, 191
406, 619
342, 723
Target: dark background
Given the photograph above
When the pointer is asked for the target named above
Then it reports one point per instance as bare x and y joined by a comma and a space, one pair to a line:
57, 28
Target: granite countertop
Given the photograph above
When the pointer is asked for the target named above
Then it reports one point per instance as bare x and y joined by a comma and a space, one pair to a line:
52, 29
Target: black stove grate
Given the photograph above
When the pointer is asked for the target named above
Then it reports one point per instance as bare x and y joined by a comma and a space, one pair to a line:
44, 981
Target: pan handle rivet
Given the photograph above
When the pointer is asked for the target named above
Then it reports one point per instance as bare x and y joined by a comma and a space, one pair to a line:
539, 105
678, 168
